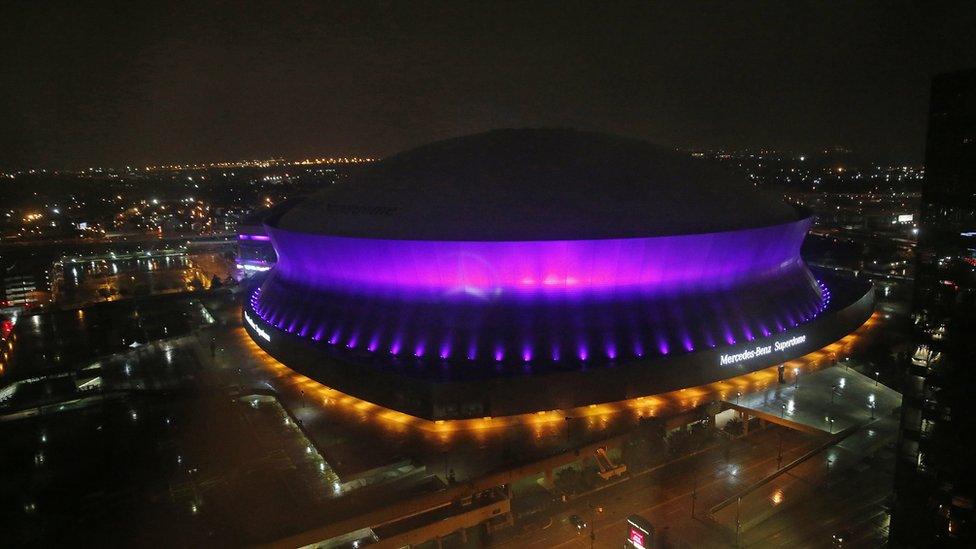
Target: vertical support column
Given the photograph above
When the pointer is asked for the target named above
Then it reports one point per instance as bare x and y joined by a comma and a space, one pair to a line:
745, 424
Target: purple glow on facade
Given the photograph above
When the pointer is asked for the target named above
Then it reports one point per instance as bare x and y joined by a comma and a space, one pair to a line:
583, 353
490, 269
659, 323
638, 349
514, 303
662, 345
258, 237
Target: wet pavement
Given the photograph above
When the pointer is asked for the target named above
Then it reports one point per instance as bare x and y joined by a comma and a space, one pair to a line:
197, 352
830, 400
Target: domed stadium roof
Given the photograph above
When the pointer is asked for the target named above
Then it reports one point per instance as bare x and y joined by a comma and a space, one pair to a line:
537, 184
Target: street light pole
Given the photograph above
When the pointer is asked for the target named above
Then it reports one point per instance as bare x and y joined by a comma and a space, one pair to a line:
738, 525
593, 511
779, 456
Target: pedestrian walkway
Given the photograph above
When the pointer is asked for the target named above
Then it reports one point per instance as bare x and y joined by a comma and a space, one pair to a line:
829, 400
859, 413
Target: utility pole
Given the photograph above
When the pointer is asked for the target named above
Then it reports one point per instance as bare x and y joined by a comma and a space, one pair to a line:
738, 525
779, 456
593, 511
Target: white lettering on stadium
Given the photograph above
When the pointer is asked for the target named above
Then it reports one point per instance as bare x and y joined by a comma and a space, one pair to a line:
264, 335
762, 350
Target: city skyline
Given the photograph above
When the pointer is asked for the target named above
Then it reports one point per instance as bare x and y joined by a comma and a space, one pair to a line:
487, 274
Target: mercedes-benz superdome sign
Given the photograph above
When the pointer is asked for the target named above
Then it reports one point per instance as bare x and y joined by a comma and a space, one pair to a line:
762, 350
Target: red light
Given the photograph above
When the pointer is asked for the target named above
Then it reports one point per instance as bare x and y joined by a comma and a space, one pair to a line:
636, 537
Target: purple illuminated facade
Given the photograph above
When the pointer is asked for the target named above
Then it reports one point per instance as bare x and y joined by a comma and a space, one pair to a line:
653, 265
524, 303
255, 254
365, 290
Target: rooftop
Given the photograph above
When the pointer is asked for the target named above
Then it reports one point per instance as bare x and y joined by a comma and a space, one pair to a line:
538, 184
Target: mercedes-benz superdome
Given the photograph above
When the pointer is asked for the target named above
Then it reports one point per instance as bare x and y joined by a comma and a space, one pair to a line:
523, 270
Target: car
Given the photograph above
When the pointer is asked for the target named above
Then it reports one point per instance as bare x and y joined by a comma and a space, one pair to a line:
841, 538
578, 522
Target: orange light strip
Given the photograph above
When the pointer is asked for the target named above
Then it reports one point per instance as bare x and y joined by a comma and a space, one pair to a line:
672, 403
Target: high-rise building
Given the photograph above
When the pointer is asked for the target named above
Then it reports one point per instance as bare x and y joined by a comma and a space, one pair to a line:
19, 290
935, 476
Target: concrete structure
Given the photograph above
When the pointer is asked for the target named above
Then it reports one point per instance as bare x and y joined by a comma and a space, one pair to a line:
526, 270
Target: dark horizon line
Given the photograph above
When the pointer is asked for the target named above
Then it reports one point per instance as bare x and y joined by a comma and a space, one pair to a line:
872, 159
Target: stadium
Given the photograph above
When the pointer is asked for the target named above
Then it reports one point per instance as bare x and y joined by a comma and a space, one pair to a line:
516, 271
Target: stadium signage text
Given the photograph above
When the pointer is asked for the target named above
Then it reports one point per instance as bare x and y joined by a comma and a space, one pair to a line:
257, 329
762, 350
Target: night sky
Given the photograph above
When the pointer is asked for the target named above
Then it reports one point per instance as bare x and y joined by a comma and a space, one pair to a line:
94, 83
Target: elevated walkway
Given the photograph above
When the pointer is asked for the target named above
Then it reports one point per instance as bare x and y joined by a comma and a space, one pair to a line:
854, 416
827, 401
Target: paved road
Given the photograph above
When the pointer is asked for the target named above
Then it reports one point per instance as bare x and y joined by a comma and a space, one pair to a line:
813, 506
664, 495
